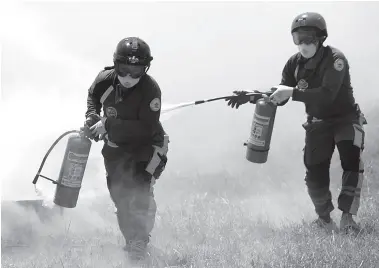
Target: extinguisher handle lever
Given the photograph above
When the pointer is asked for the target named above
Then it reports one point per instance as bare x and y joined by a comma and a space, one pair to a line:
268, 93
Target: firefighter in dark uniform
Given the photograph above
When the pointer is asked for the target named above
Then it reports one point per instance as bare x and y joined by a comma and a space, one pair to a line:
319, 77
135, 143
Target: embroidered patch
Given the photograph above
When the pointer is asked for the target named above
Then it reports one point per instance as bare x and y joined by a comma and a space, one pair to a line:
339, 64
155, 105
111, 112
302, 84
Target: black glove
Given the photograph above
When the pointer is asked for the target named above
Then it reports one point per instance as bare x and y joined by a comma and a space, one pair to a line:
161, 167
242, 98
90, 121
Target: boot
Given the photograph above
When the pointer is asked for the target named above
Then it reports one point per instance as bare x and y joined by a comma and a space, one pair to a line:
347, 223
326, 223
137, 249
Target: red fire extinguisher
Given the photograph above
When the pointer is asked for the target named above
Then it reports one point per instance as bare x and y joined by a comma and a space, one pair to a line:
73, 166
258, 144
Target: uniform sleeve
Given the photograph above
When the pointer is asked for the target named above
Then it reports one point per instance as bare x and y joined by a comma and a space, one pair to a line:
93, 99
128, 130
332, 80
288, 76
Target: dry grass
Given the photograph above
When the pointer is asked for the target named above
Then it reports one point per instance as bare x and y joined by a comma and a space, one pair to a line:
212, 228
210, 220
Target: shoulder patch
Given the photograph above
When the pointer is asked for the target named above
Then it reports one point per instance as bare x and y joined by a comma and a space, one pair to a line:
111, 112
155, 105
339, 64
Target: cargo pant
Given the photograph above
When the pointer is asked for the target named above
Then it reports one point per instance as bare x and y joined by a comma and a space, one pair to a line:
131, 189
347, 134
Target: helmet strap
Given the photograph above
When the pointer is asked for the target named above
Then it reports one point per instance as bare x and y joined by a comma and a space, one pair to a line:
147, 68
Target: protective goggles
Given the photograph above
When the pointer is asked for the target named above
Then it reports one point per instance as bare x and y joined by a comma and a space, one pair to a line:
135, 71
306, 37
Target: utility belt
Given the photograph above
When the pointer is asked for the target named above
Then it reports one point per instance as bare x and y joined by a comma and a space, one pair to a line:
357, 113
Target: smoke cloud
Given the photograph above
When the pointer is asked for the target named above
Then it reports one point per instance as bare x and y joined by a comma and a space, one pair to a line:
48, 65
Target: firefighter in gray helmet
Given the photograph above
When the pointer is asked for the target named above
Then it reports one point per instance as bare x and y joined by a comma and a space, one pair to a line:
319, 77
135, 143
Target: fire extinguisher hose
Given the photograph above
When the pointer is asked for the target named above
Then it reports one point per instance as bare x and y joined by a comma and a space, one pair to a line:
224, 97
182, 105
47, 154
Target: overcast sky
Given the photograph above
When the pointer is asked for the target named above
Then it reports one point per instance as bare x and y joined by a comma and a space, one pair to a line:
52, 52
200, 49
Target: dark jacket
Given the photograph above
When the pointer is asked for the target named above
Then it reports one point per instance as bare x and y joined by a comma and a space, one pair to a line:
323, 83
132, 114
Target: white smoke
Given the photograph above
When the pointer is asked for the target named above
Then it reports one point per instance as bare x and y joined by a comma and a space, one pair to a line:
36, 112
36, 108
169, 110
32, 134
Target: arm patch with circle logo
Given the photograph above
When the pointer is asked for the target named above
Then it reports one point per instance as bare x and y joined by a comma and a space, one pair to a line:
339, 64
155, 105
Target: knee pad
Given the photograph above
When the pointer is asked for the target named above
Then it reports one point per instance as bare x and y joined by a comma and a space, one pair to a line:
317, 176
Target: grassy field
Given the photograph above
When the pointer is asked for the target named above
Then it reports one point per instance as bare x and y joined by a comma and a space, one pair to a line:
208, 220
212, 228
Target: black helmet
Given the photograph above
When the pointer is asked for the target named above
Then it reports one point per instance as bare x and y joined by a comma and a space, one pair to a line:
132, 51
310, 20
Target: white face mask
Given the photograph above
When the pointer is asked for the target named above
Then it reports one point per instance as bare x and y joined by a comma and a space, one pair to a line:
307, 51
128, 81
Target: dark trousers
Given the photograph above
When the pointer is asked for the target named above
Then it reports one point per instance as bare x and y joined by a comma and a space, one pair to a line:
321, 139
131, 190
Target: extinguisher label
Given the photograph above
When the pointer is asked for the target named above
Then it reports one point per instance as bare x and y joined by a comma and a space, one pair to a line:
74, 170
258, 129
78, 158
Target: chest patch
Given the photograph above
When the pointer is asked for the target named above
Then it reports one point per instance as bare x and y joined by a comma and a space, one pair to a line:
302, 84
111, 112
155, 105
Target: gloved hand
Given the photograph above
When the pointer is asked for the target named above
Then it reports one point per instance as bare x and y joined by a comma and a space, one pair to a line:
90, 121
161, 166
98, 129
242, 98
281, 94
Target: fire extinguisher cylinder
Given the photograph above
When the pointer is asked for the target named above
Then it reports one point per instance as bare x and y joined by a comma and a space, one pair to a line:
258, 144
72, 171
